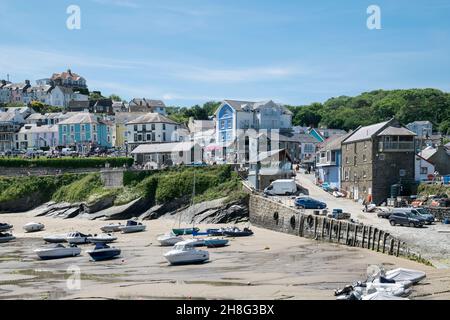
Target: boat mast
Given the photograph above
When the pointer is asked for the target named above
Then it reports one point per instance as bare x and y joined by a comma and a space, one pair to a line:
192, 204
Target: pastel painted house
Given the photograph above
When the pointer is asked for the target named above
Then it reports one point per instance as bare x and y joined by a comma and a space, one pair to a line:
329, 162
85, 131
37, 136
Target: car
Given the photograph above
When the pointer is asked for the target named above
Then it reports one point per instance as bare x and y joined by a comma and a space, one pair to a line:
309, 203
383, 212
420, 213
405, 219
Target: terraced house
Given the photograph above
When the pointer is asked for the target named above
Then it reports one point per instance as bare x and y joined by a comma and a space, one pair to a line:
375, 158
85, 131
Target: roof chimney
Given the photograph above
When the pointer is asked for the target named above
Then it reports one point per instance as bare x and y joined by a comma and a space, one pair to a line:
27, 82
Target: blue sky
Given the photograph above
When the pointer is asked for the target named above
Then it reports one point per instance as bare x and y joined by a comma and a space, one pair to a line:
191, 51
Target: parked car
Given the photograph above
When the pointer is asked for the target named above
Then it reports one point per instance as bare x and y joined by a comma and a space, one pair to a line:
420, 213
281, 187
405, 219
383, 212
309, 203
339, 214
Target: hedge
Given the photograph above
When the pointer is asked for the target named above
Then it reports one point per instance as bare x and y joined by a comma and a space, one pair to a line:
65, 162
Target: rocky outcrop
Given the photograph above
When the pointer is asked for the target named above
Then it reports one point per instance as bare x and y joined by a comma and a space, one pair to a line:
127, 211
23, 204
211, 212
101, 204
58, 210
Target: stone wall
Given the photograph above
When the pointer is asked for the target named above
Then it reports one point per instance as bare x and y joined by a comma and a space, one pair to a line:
23, 172
112, 178
269, 214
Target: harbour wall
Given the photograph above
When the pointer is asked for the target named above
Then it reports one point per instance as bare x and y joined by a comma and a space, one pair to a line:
272, 215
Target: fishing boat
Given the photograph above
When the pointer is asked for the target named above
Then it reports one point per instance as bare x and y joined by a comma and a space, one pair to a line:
236, 232
112, 227
57, 251
56, 238
5, 227
102, 238
77, 238
103, 252
185, 231
132, 226
216, 242
33, 227
169, 239
185, 253
6, 237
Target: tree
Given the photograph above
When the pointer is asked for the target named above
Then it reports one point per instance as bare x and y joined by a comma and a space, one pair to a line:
96, 95
115, 97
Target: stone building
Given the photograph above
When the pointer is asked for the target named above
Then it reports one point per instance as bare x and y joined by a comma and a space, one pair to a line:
376, 157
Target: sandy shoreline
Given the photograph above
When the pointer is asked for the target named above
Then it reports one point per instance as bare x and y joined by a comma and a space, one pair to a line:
268, 265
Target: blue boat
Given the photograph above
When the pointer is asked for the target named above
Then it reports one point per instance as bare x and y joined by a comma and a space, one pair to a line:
216, 243
103, 252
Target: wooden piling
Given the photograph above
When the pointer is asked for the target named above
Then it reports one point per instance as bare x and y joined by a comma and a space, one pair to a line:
331, 230
369, 236
347, 233
378, 240
323, 228
315, 226
363, 236
373, 238
339, 231
384, 241
391, 247
355, 234
398, 248
300, 226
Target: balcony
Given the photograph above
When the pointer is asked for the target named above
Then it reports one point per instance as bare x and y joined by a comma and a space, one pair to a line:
396, 146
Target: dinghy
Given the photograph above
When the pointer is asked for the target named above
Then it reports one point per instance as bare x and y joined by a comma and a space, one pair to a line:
6, 237
185, 231
77, 238
236, 232
402, 274
33, 227
169, 239
57, 251
103, 252
132, 226
196, 242
112, 227
102, 238
5, 226
215, 242
56, 238
185, 253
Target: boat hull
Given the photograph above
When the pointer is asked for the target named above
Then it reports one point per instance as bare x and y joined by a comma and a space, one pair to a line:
216, 243
184, 231
56, 239
102, 240
132, 229
57, 253
7, 239
233, 234
33, 227
5, 227
169, 241
111, 228
104, 254
184, 258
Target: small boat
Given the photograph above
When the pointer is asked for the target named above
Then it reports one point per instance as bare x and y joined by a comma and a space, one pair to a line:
6, 237
103, 252
216, 232
132, 226
185, 231
236, 232
33, 227
5, 226
77, 238
56, 238
169, 239
57, 251
196, 242
185, 253
102, 238
215, 242
401, 274
112, 227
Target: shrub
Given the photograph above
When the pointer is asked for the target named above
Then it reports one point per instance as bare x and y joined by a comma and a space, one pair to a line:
66, 162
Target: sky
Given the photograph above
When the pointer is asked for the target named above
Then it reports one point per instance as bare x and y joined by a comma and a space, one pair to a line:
187, 52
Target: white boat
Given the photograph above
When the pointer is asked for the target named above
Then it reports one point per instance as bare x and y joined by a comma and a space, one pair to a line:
112, 227
381, 296
33, 227
56, 238
102, 238
132, 226
6, 237
196, 242
77, 238
5, 226
402, 274
169, 239
57, 251
400, 289
185, 253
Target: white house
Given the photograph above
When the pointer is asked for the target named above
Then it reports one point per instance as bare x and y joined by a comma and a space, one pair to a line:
151, 128
421, 128
423, 168
37, 136
61, 96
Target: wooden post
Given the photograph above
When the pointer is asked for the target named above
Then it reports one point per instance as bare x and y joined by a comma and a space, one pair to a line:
355, 235
384, 242
348, 230
379, 238
323, 228
368, 240
391, 247
315, 226
331, 230
300, 225
339, 231
363, 236
373, 238
398, 248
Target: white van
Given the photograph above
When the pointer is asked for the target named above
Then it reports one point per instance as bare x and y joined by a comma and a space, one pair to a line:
281, 187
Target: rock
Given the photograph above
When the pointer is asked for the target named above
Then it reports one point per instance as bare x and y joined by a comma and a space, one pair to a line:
160, 210
127, 211
99, 205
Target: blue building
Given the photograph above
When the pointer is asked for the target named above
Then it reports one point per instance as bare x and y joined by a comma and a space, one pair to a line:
84, 131
329, 162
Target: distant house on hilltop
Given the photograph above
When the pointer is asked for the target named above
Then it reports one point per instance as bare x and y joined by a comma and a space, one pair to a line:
147, 105
68, 79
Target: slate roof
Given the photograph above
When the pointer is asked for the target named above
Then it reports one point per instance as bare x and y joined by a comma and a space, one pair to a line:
152, 118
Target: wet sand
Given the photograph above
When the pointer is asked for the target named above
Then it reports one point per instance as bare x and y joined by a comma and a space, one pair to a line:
268, 265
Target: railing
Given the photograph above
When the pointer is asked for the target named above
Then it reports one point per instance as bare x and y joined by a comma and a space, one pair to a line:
396, 146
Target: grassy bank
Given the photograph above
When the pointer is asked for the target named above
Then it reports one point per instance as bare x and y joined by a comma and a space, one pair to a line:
159, 186
433, 189
67, 162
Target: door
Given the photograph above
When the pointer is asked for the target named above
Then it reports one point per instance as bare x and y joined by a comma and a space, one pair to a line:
355, 193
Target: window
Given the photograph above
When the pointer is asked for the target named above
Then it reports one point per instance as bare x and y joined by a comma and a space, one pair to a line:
382, 157
135, 137
364, 158
108, 139
222, 124
64, 128
95, 137
149, 137
364, 174
346, 160
354, 160
164, 126
164, 136
365, 144
135, 127
139, 137
83, 127
229, 124
153, 136
423, 170
144, 127
25, 137
346, 175
153, 126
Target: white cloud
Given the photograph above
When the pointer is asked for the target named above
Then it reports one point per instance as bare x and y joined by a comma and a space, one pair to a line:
119, 3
